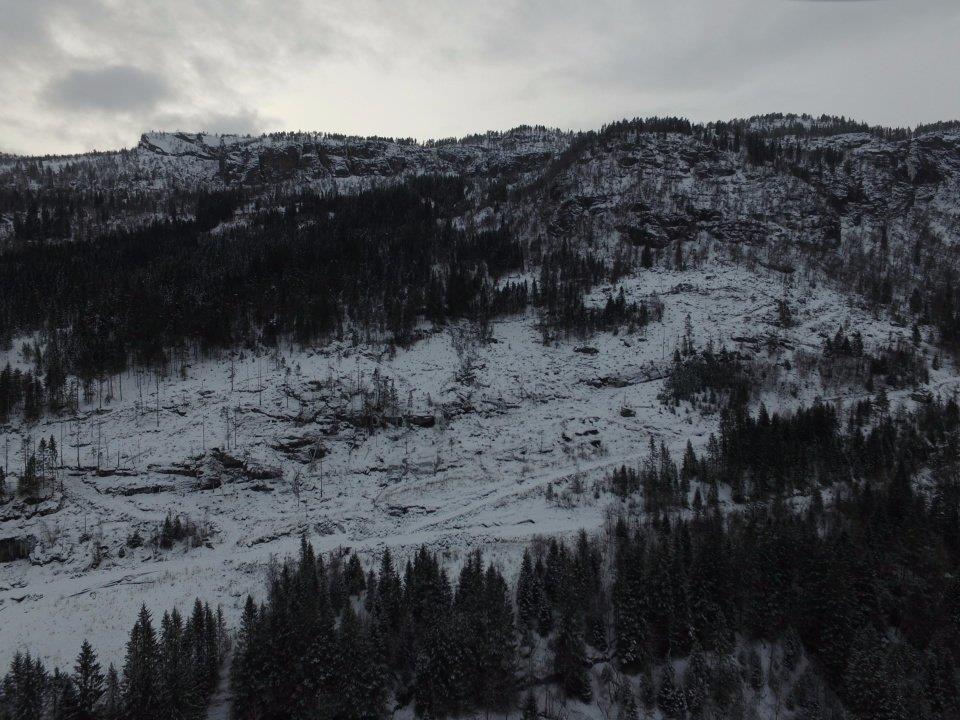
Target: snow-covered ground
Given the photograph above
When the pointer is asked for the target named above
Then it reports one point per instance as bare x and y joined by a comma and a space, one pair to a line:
533, 417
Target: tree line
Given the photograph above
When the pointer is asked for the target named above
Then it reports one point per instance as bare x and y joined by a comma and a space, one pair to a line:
171, 674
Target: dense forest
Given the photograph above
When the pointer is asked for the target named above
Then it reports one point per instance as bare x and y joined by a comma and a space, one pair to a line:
308, 268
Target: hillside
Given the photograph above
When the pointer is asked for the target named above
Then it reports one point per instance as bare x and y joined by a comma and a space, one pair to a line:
379, 344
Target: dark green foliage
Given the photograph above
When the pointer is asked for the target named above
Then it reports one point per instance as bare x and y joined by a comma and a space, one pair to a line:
24, 688
113, 696
446, 652
141, 670
565, 275
89, 682
379, 259
722, 373
670, 698
569, 658
162, 678
302, 267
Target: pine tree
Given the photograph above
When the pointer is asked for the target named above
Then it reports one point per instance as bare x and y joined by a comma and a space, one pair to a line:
528, 591
211, 642
112, 708
569, 658
24, 688
245, 671
359, 690
696, 681
61, 697
439, 686
89, 682
141, 696
689, 467
630, 627
670, 699
354, 576
178, 675
871, 689
498, 647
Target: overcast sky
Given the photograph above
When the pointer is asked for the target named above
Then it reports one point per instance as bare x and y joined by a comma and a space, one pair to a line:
93, 74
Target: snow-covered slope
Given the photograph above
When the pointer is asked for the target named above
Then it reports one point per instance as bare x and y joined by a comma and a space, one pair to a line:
488, 444
519, 451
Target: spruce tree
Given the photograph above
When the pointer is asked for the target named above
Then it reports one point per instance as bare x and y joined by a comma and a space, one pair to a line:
498, 648
670, 698
89, 681
246, 668
872, 690
569, 658
358, 690
528, 591
24, 688
141, 670
112, 706
179, 696
439, 687
61, 697
630, 627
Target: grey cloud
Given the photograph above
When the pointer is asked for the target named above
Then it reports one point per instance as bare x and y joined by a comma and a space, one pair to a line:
243, 121
431, 67
22, 27
117, 88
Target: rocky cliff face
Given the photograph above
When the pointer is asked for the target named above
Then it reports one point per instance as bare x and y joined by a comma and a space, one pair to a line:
657, 189
311, 158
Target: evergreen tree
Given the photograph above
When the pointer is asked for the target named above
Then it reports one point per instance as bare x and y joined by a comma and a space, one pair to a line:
631, 630
89, 682
439, 684
178, 675
61, 697
529, 595
24, 688
246, 670
359, 690
670, 698
355, 581
872, 690
141, 670
569, 658
112, 707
